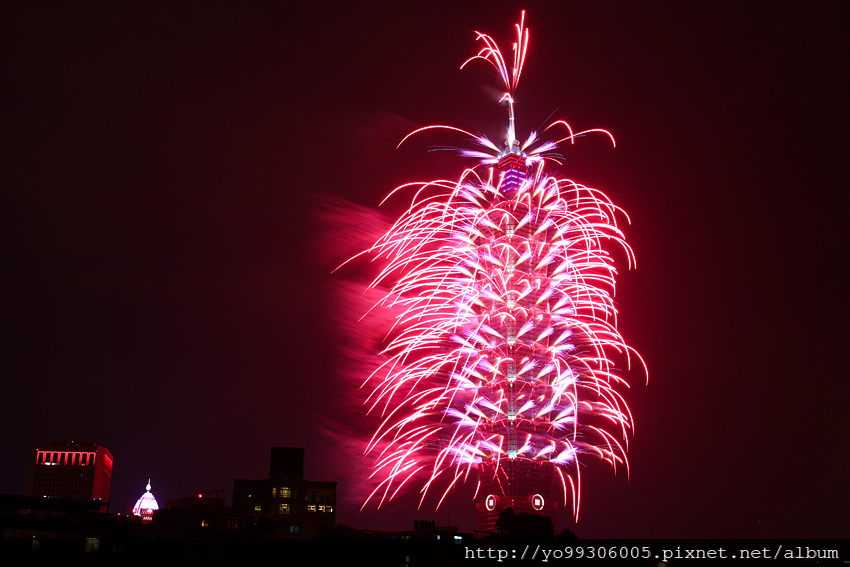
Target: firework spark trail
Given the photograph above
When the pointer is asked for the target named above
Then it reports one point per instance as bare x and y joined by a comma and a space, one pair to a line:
505, 343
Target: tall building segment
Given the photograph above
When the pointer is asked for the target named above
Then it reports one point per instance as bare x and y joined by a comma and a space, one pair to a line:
514, 253
146, 505
78, 471
501, 363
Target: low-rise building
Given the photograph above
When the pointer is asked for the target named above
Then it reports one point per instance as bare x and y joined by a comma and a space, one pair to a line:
294, 506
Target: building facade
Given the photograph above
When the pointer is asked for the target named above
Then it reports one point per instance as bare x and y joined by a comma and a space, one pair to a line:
146, 505
301, 507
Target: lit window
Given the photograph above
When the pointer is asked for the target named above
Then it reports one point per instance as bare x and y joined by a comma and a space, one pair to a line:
205, 523
258, 508
285, 492
274, 492
311, 507
283, 508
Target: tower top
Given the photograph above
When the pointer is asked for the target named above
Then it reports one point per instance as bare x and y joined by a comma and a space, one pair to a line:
146, 504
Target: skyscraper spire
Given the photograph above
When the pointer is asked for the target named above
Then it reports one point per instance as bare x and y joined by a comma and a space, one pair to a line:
501, 361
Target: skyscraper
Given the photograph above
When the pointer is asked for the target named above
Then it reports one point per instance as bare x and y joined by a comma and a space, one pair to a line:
71, 470
300, 506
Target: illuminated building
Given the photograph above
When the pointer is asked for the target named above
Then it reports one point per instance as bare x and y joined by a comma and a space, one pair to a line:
77, 471
503, 361
299, 505
146, 504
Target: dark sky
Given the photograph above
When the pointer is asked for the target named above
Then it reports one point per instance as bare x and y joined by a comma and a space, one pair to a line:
166, 279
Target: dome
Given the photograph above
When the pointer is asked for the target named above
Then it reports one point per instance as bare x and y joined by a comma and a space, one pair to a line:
146, 504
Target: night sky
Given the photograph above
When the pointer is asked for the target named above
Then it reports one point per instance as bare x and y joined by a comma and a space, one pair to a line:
176, 190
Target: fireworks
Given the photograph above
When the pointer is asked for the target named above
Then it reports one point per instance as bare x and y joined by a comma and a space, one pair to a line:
501, 360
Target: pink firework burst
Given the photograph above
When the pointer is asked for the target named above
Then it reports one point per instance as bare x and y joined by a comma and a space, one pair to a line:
500, 365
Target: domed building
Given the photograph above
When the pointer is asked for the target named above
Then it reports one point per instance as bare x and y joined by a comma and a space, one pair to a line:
146, 504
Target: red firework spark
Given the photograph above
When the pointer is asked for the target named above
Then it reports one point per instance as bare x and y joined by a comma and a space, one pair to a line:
504, 346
